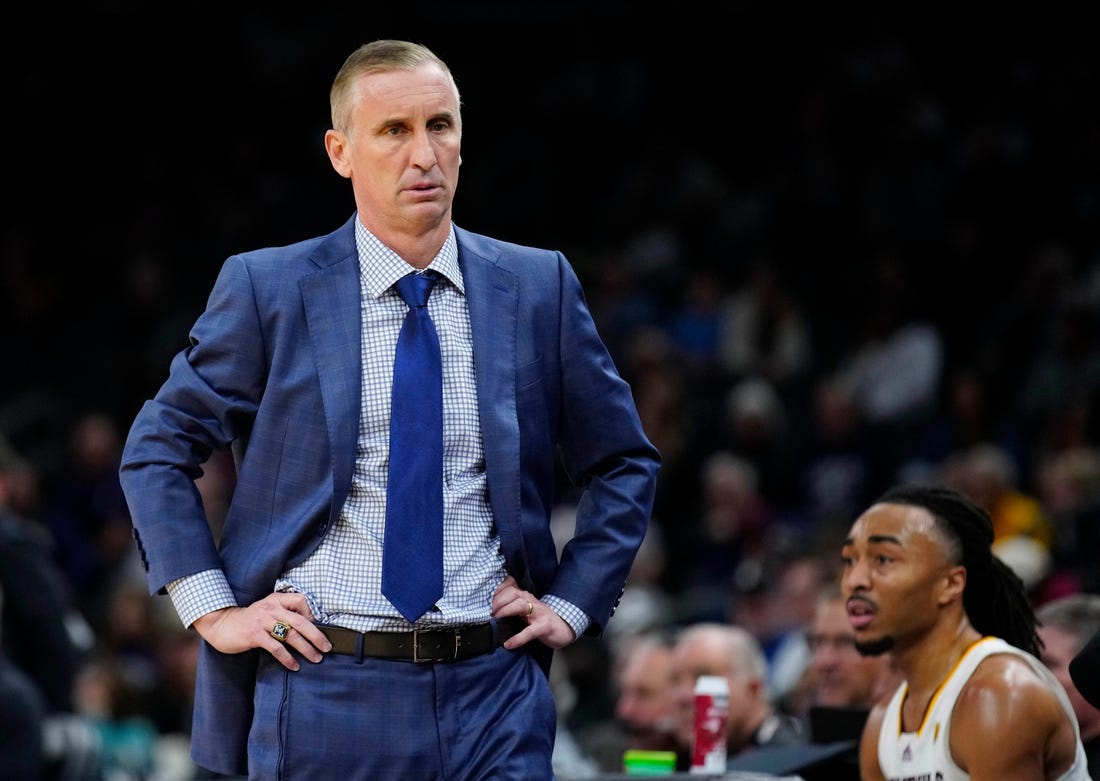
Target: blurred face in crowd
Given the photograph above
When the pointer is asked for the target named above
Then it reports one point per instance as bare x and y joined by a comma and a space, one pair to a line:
401, 150
1060, 646
646, 707
841, 675
708, 653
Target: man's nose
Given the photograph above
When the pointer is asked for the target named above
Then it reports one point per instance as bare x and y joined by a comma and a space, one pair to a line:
423, 152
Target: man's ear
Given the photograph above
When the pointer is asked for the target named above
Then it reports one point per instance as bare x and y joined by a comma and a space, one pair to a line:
954, 584
338, 145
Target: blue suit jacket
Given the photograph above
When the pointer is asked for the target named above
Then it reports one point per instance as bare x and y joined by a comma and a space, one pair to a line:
273, 369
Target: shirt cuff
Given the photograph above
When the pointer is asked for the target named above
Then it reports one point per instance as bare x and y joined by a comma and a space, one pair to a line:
570, 613
194, 596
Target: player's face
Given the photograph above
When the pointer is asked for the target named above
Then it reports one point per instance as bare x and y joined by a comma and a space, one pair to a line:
896, 576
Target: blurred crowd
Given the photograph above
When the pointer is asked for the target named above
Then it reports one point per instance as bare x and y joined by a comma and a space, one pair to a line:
895, 275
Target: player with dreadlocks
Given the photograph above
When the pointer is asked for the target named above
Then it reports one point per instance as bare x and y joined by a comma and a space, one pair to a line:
922, 583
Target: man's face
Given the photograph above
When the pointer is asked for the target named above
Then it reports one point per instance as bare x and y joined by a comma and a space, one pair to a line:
403, 149
646, 706
896, 577
1059, 647
842, 676
707, 655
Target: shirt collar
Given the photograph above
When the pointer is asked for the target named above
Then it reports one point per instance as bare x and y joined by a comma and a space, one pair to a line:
381, 267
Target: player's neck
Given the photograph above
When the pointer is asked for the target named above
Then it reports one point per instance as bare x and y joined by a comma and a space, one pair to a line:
927, 663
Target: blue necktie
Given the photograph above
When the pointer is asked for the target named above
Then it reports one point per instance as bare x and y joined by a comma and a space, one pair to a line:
412, 559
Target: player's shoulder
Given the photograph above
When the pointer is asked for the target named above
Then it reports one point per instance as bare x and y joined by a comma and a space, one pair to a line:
1007, 702
1005, 687
1008, 667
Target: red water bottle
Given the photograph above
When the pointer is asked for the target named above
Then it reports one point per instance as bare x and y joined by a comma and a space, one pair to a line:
712, 701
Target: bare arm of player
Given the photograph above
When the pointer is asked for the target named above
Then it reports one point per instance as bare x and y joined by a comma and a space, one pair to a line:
869, 769
1007, 725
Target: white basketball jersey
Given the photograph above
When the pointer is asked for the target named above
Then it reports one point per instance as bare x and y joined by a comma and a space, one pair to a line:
925, 755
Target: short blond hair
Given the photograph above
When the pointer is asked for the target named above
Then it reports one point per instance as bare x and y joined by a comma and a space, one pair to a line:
374, 57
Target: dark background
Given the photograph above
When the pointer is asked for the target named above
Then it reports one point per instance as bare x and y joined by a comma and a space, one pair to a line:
935, 165
145, 143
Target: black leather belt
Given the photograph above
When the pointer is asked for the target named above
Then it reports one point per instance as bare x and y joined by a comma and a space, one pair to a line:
424, 645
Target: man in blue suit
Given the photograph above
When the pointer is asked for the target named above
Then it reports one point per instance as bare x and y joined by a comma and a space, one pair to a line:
307, 670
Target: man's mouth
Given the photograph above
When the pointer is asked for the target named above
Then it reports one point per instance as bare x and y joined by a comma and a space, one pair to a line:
860, 613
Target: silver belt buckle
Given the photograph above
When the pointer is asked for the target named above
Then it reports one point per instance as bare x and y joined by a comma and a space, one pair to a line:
417, 658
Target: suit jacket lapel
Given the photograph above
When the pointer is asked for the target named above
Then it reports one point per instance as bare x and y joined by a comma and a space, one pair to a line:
332, 301
493, 298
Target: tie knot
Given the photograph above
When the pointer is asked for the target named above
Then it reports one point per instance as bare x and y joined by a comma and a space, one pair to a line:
414, 288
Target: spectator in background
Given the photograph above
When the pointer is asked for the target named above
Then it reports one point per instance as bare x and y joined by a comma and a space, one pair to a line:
639, 682
763, 331
582, 685
87, 515
695, 321
177, 661
757, 426
645, 687
585, 673
1059, 388
840, 682
992, 479
734, 653
107, 702
23, 716
779, 609
894, 366
971, 415
44, 640
570, 758
1069, 490
1019, 328
834, 696
732, 529
663, 392
43, 633
838, 473
1023, 536
655, 371
1065, 626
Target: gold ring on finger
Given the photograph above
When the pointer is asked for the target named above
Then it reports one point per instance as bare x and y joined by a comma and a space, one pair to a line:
280, 631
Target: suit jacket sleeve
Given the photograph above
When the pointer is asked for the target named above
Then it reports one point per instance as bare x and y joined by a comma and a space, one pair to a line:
607, 456
214, 385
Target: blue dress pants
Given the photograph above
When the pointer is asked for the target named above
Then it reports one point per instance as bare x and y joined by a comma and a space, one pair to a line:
490, 717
